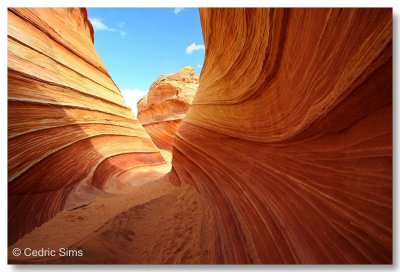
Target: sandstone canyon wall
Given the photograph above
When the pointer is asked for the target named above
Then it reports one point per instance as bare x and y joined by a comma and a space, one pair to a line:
165, 105
67, 121
289, 137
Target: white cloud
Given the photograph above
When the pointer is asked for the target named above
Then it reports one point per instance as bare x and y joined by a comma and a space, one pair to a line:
199, 66
194, 47
98, 25
177, 10
132, 97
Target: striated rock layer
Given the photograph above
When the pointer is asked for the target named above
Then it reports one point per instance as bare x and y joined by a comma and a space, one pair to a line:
165, 105
289, 137
67, 121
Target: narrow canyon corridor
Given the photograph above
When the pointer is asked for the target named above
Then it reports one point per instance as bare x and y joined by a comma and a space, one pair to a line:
279, 152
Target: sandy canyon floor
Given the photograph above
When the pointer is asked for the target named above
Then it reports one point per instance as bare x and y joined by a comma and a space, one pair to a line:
149, 222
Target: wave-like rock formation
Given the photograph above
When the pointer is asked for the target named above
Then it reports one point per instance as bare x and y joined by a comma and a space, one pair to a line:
67, 121
161, 110
289, 137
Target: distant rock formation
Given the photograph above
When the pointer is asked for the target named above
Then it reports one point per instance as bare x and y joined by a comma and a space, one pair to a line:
68, 124
289, 137
168, 99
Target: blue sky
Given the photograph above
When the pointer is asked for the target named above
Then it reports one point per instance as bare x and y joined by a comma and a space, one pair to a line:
139, 44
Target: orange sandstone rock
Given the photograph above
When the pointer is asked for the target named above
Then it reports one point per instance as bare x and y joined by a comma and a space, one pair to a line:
168, 99
288, 140
67, 121
289, 137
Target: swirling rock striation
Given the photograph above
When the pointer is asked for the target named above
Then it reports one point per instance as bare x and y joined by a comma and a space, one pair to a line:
162, 109
67, 121
289, 137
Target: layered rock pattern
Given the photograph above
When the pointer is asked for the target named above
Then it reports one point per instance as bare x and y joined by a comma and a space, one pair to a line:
67, 121
289, 137
165, 105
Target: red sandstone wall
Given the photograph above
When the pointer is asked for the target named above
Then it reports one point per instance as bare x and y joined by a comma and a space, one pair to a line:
289, 136
66, 117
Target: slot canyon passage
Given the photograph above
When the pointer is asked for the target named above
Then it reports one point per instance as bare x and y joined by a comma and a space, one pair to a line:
284, 154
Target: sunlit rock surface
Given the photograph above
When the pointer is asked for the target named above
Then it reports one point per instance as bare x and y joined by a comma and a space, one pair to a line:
68, 124
289, 137
161, 110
